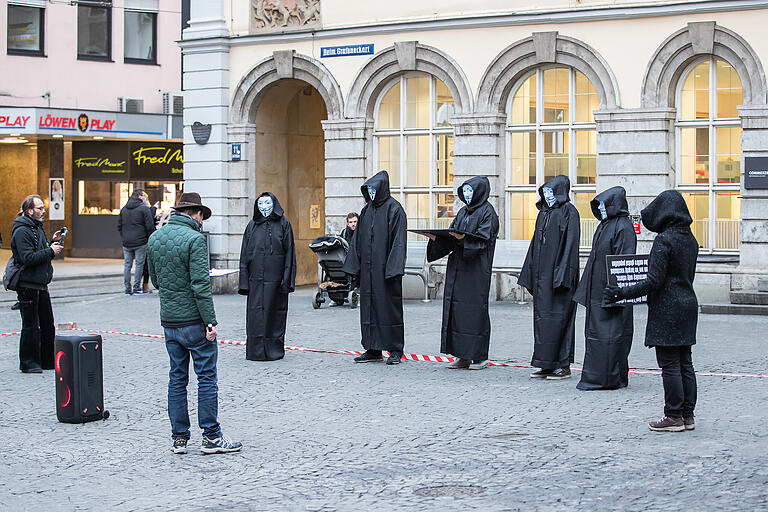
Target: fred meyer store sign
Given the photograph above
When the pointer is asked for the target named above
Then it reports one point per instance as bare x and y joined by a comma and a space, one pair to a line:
83, 123
128, 160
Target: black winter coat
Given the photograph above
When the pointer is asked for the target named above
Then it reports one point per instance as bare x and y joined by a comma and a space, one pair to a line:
267, 276
673, 310
550, 273
29, 247
607, 329
135, 223
466, 329
377, 255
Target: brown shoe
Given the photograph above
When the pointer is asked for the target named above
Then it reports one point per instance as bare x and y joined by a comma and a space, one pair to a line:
146, 288
667, 424
689, 423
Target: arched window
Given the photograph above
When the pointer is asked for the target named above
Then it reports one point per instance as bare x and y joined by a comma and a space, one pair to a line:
709, 152
414, 143
550, 131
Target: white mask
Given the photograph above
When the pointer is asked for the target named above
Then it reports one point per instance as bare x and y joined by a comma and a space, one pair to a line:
549, 196
468, 192
371, 193
601, 208
265, 205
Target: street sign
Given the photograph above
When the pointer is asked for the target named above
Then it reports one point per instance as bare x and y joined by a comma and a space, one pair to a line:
347, 51
237, 152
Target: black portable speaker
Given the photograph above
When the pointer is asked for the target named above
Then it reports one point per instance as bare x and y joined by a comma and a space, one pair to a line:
79, 378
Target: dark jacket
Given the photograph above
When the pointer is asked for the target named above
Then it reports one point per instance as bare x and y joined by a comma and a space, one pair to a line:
607, 329
347, 234
377, 255
466, 329
267, 276
550, 273
135, 223
30, 248
178, 267
673, 310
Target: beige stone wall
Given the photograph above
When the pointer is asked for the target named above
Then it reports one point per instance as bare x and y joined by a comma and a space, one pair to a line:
17, 169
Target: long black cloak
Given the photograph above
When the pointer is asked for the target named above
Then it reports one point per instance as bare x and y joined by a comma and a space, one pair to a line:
466, 330
267, 276
550, 273
608, 329
377, 255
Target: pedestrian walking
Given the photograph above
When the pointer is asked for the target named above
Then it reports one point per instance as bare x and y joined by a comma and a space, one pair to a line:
145, 276
31, 249
135, 224
349, 229
673, 310
608, 328
178, 267
466, 329
550, 273
377, 256
267, 276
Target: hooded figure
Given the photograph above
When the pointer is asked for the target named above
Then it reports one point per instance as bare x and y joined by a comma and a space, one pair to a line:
466, 327
267, 276
607, 330
550, 273
672, 305
377, 255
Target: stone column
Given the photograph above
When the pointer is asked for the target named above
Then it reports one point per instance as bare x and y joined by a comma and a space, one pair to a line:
753, 235
348, 152
635, 149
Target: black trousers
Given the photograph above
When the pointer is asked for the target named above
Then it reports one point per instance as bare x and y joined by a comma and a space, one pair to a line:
37, 329
679, 380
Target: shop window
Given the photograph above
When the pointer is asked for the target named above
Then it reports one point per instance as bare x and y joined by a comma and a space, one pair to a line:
414, 143
25, 30
94, 33
162, 195
140, 37
708, 133
101, 197
551, 130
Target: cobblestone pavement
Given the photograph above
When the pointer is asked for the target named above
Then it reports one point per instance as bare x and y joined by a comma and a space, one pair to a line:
321, 433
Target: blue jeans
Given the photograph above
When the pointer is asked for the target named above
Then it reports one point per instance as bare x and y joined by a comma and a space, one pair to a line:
181, 343
140, 255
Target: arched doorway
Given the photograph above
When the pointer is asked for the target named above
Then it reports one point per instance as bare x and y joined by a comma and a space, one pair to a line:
290, 162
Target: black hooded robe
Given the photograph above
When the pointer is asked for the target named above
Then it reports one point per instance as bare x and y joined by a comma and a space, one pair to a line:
267, 276
608, 330
377, 255
550, 273
466, 329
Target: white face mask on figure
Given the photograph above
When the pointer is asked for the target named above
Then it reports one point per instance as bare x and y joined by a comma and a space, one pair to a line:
549, 196
468, 192
371, 193
265, 205
601, 208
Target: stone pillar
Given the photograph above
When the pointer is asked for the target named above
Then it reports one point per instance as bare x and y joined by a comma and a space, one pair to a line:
205, 50
477, 148
348, 152
635, 149
753, 235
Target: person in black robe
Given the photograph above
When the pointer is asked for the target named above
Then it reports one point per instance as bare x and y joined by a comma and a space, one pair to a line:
466, 329
608, 329
673, 310
377, 256
550, 273
267, 276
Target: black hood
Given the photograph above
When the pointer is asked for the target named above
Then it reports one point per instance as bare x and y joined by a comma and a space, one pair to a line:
482, 190
560, 186
615, 199
277, 210
133, 202
668, 210
25, 220
380, 181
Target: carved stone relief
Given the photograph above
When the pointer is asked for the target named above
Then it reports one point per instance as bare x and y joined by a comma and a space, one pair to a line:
279, 15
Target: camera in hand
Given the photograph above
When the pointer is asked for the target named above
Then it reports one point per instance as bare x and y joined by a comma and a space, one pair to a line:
63, 232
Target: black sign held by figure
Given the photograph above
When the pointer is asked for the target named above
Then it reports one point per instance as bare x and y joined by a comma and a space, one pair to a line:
625, 270
756, 172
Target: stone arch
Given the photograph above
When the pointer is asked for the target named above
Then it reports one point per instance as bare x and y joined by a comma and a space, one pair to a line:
400, 58
688, 44
544, 48
285, 64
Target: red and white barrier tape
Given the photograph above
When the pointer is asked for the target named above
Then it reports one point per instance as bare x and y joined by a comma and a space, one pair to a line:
412, 357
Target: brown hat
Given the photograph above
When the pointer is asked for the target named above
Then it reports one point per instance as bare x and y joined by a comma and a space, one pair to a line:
192, 200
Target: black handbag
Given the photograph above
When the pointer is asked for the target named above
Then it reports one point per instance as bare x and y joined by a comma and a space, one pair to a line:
12, 274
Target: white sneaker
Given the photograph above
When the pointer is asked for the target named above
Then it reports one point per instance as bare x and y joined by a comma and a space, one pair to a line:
479, 365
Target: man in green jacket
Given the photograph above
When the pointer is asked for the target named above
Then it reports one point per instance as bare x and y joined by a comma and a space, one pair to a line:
178, 267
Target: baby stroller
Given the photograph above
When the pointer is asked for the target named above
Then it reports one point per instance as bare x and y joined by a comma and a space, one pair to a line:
331, 251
